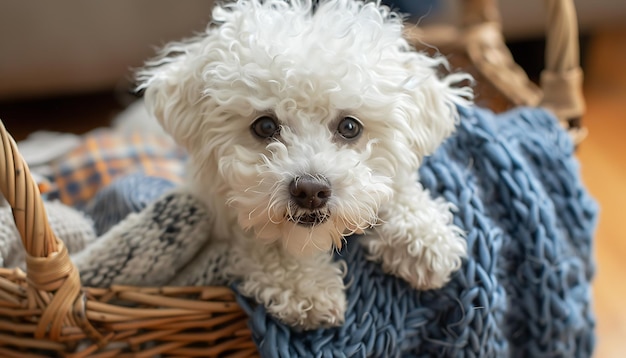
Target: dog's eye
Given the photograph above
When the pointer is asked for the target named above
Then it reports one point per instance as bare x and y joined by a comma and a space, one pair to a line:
350, 128
265, 127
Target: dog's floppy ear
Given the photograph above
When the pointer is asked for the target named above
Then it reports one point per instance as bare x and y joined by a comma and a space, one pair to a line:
433, 114
170, 92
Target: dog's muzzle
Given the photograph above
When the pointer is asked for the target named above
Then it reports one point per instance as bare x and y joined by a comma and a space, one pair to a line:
310, 194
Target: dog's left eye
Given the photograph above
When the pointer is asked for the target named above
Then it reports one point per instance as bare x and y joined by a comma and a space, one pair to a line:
265, 127
350, 128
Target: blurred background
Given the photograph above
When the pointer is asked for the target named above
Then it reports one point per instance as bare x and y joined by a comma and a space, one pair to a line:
67, 66
75, 47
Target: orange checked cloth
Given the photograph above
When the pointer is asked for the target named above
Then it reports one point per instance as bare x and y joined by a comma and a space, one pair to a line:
105, 155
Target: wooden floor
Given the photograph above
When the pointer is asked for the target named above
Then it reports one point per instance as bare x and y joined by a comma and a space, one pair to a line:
603, 162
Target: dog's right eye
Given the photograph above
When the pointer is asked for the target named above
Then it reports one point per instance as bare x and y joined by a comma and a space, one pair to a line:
265, 127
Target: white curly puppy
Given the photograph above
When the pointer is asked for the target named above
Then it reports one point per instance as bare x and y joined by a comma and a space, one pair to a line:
305, 123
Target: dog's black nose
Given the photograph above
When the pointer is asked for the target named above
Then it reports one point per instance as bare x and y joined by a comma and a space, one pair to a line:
309, 192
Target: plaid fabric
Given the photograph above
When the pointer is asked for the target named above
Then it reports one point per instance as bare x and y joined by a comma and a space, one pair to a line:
105, 155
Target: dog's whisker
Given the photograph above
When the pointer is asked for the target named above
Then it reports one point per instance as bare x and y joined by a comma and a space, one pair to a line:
351, 213
310, 241
258, 232
289, 235
336, 237
273, 216
274, 221
251, 213
272, 212
258, 184
348, 224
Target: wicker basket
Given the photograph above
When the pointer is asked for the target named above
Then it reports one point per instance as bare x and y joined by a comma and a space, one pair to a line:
45, 312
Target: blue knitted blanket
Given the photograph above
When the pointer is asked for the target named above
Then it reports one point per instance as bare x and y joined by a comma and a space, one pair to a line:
525, 289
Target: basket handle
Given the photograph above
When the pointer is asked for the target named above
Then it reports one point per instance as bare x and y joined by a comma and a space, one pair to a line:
52, 278
23, 195
562, 78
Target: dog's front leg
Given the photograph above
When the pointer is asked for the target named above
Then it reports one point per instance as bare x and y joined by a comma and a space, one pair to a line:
307, 293
416, 239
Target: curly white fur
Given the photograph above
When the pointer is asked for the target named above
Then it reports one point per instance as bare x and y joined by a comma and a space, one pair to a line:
309, 66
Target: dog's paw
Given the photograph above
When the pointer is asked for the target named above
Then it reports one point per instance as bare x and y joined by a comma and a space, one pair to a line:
417, 239
306, 294
322, 309
431, 267
425, 260
303, 306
